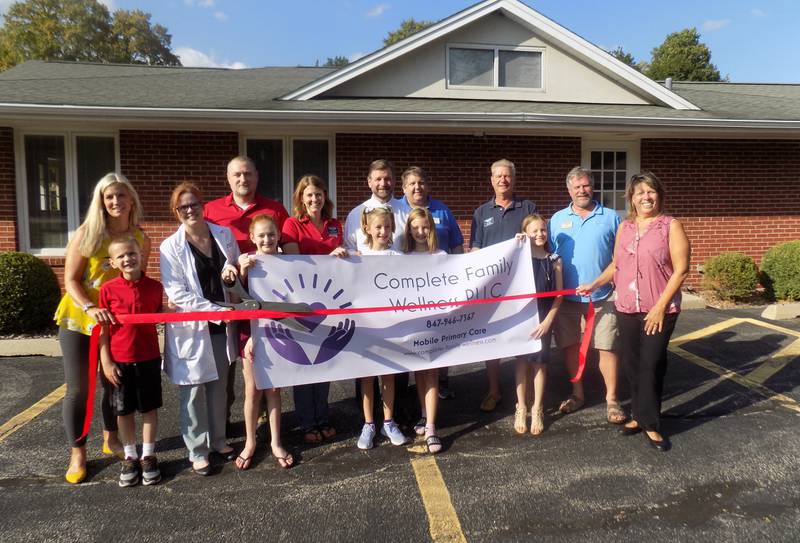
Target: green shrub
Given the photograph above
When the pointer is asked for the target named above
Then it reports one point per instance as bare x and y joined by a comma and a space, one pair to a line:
731, 276
780, 271
29, 294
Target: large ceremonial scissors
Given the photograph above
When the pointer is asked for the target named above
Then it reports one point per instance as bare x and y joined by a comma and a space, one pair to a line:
247, 302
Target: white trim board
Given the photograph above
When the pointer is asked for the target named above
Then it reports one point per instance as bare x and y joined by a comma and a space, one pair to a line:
527, 17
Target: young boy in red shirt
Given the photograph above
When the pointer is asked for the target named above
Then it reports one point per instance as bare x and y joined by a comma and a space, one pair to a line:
131, 358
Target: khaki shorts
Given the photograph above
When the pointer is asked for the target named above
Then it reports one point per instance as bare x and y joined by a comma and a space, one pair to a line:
569, 324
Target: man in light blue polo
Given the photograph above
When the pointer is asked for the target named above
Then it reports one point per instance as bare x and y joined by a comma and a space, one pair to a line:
583, 235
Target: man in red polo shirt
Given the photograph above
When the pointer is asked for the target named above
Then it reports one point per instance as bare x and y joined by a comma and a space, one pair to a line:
238, 208
235, 211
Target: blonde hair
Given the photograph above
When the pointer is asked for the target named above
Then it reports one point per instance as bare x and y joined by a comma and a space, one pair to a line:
382, 211
535, 217
408, 240
299, 208
95, 225
504, 163
125, 239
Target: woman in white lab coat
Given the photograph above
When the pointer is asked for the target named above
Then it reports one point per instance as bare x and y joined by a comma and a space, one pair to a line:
197, 353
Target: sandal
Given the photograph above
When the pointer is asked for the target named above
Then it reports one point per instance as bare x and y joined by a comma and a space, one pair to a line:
433, 443
490, 402
327, 431
570, 405
285, 462
419, 427
312, 436
243, 463
520, 419
615, 414
537, 421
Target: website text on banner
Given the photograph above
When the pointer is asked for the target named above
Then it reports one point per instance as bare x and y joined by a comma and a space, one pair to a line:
407, 339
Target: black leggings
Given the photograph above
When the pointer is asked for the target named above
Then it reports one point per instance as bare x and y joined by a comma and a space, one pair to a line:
75, 351
644, 360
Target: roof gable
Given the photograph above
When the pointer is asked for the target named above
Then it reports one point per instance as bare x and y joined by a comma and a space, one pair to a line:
597, 60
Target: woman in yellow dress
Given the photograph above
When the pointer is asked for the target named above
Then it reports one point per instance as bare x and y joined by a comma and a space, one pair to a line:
114, 211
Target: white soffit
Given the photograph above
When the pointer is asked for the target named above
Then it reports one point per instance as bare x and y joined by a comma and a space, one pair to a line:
522, 14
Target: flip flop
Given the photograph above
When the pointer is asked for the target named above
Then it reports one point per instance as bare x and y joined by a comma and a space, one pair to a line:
433, 443
285, 462
312, 436
243, 463
615, 414
327, 431
570, 405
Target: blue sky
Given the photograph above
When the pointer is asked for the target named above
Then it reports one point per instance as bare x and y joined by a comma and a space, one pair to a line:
750, 40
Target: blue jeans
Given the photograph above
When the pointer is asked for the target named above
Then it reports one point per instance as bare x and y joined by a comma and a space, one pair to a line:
311, 404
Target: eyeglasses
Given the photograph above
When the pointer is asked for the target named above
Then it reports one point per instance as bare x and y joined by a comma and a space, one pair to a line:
194, 206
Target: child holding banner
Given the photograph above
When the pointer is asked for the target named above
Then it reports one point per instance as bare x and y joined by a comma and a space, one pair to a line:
421, 238
547, 277
378, 226
131, 358
264, 234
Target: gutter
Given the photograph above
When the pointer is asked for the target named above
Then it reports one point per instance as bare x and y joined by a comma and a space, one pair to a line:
238, 116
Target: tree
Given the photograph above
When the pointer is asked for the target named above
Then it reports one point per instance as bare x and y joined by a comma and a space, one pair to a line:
136, 41
683, 58
406, 28
623, 56
336, 62
81, 30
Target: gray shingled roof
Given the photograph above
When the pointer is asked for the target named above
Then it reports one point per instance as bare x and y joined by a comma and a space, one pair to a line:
106, 85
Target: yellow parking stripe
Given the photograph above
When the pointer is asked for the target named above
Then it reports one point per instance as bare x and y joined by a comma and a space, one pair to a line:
770, 326
442, 519
705, 332
776, 363
20, 420
781, 399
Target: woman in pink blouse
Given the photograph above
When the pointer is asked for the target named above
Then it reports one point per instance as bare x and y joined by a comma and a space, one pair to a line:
651, 261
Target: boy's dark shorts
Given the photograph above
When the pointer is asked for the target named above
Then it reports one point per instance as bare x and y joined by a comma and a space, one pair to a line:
139, 389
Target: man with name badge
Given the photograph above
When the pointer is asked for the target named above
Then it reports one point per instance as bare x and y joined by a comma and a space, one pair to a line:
583, 235
416, 190
498, 220
235, 211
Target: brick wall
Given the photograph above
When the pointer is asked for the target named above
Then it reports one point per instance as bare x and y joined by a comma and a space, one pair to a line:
8, 192
458, 167
156, 161
730, 194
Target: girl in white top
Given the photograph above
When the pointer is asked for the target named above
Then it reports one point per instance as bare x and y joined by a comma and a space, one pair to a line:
378, 226
420, 238
264, 233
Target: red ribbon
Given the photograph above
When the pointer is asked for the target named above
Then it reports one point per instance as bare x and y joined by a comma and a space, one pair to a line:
248, 314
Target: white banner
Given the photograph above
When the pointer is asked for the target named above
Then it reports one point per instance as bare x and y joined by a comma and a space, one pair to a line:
357, 345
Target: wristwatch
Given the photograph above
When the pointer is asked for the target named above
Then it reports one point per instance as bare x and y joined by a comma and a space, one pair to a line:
87, 306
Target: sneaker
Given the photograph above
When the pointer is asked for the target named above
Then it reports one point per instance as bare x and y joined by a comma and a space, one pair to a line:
392, 431
367, 437
150, 473
130, 473
445, 393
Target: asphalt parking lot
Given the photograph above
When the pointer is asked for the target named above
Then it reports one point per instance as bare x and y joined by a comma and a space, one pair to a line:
731, 410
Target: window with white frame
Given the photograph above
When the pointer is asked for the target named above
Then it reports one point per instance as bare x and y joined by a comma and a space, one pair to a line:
610, 170
281, 161
495, 67
60, 171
